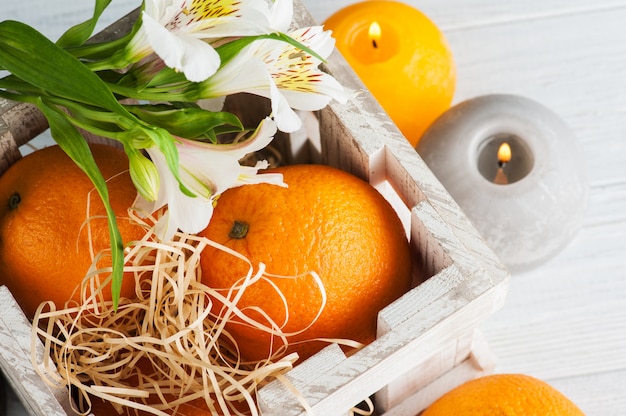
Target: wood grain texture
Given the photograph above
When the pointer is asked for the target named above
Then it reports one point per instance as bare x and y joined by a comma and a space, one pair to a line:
15, 339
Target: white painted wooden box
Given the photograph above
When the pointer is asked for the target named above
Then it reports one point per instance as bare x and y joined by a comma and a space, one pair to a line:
428, 340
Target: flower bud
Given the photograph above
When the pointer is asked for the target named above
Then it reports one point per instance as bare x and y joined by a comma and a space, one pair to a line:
144, 175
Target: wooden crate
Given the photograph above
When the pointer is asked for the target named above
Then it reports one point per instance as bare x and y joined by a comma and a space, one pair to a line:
428, 340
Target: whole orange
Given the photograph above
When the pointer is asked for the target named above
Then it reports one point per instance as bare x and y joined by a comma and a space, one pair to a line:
409, 67
326, 221
45, 200
506, 395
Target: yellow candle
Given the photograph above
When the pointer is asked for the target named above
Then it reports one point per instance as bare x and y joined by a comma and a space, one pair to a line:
401, 57
370, 47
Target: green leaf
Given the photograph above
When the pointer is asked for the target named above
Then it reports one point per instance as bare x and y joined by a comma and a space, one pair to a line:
29, 55
13, 83
77, 35
190, 123
102, 52
71, 141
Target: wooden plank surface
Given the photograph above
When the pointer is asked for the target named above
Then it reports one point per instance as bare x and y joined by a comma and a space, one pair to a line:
564, 321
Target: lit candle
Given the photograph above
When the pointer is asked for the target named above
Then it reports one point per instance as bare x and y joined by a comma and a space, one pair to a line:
374, 34
401, 57
517, 172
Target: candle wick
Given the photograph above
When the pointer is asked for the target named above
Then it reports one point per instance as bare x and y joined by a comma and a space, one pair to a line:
502, 164
374, 43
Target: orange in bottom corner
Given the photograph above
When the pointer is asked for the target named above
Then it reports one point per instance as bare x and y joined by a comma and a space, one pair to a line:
506, 395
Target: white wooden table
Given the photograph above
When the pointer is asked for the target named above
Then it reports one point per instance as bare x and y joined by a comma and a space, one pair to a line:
565, 321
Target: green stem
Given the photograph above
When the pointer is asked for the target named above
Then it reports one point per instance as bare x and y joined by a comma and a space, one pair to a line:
105, 49
151, 94
113, 62
80, 114
87, 112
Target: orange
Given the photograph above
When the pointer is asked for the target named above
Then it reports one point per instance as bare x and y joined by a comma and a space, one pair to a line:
506, 395
409, 69
197, 407
326, 221
44, 237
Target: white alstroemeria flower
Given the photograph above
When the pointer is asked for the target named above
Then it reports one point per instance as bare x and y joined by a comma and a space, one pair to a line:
179, 31
281, 15
207, 170
290, 77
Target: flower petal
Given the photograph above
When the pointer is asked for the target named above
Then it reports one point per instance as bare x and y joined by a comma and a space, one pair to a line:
194, 57
286, 119
325, 89
281, 15
250, 175
286, 75
244, 73
316, 38
190, 215
217, 19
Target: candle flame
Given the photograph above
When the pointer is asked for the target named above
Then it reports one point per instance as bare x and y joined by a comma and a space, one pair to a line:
504, 154
375, 33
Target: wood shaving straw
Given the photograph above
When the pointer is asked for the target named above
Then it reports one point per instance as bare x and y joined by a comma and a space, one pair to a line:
164, 348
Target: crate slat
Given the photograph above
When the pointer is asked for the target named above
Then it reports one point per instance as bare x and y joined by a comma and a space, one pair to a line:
403, 396
19, 122
15, 338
